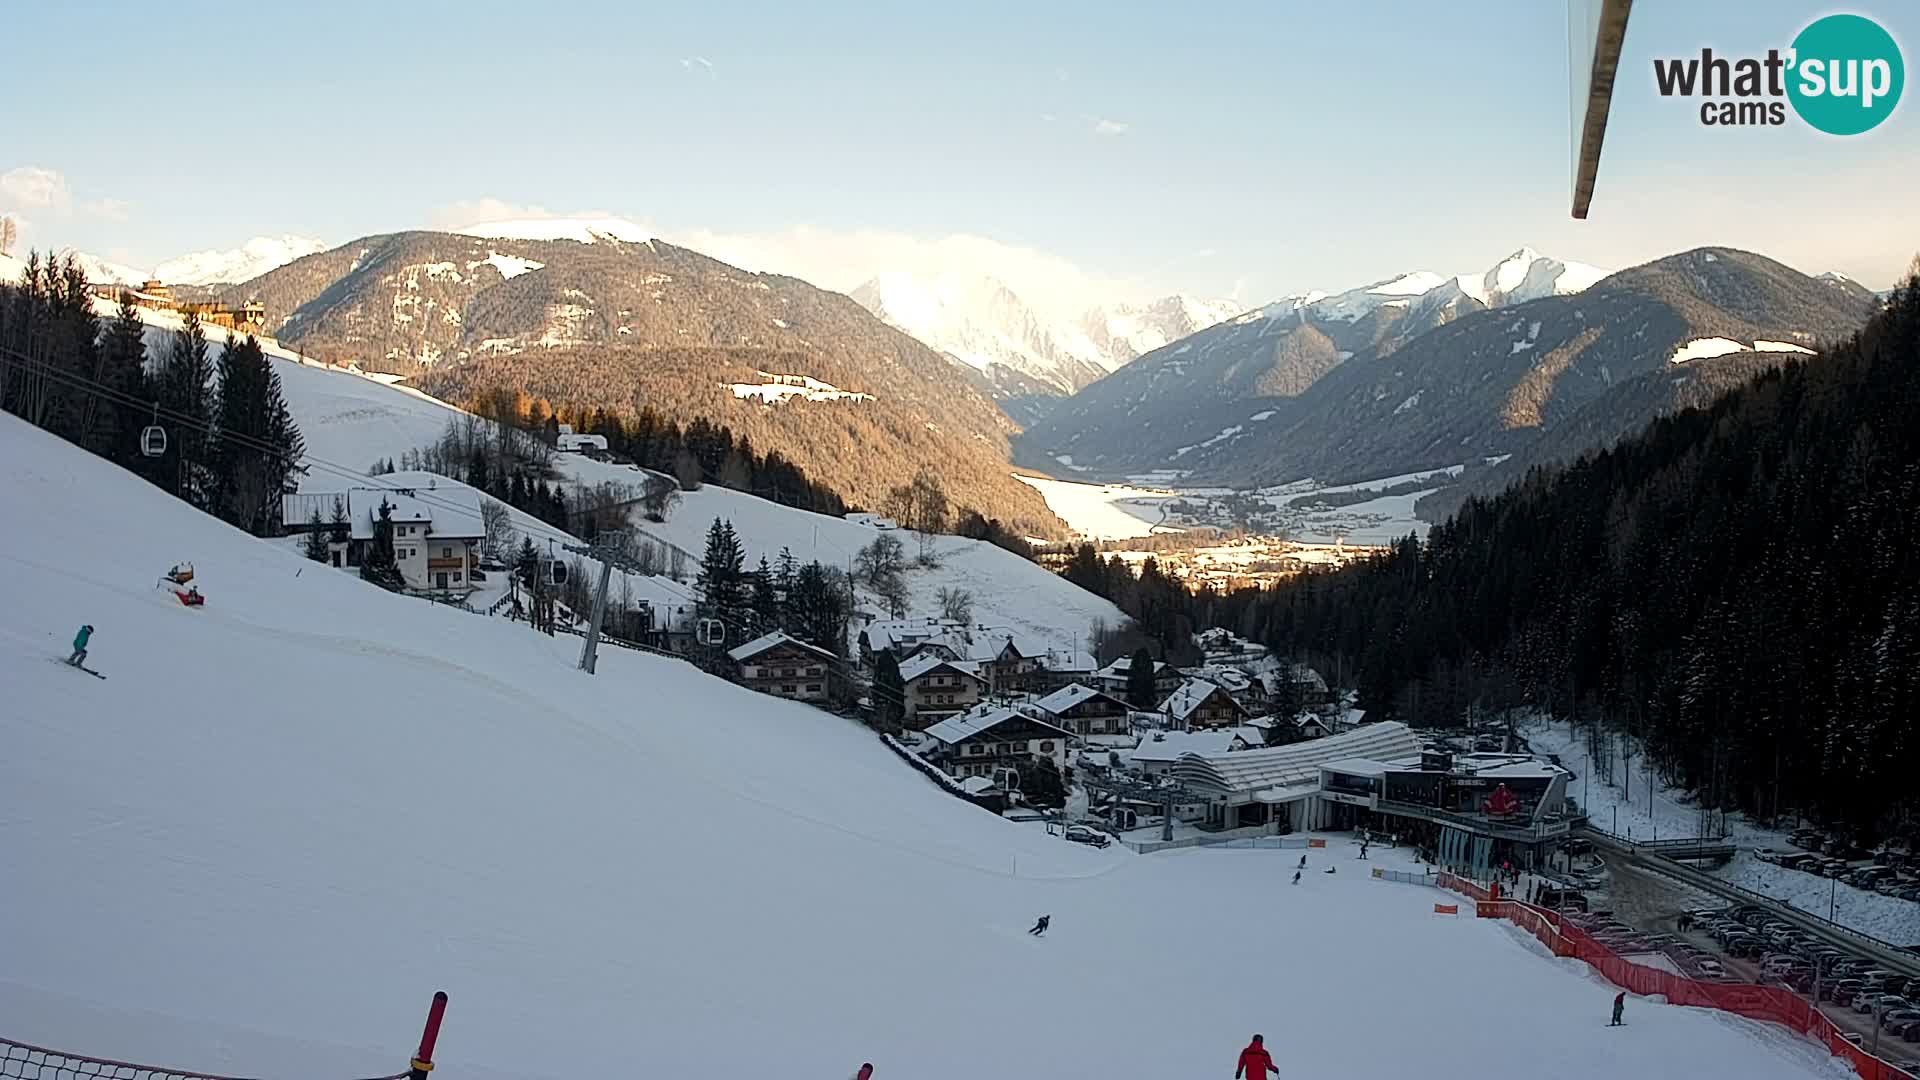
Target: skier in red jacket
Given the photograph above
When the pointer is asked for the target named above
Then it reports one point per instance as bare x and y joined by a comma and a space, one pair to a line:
1255, 1062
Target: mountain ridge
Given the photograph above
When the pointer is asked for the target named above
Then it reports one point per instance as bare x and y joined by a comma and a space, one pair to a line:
1387, 388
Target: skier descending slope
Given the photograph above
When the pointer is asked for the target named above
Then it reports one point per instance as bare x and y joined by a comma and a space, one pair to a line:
80, 639
1255, 1062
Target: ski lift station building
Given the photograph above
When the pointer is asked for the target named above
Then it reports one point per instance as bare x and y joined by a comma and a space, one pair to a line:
1377, 776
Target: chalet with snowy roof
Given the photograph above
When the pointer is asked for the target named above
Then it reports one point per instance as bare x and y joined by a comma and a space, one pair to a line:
783, 666
571, 442
1199, 703
991, 737
902, 636
1157, 752
436, 530
1085, 711
937, 688
1113, 677
1225, 646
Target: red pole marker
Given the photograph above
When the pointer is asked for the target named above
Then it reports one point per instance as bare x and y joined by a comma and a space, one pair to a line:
423, 1061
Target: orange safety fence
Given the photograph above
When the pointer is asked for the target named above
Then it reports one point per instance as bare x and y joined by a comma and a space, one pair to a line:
1774, 1004
1446, 909
1313, 843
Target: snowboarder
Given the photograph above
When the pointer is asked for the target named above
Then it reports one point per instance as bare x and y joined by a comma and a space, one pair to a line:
1255, 1062
1363, 849
1040, 928
79, 657
1619, 1006
865, 1073
1303, 862
1296, 877
1329, 870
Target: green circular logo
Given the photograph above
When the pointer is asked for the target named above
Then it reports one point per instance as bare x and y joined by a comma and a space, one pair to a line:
1847, 74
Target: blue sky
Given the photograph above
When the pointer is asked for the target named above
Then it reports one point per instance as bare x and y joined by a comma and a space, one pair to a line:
1251, 149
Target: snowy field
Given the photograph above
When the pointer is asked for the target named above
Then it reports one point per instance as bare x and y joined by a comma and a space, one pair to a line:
1102, 511
1671, 815
1008, 591
1124, 511
286, 818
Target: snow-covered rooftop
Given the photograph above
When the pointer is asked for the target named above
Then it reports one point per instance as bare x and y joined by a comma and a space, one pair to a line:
1300, 763
1174, 745
1069, 696
1185, 701
968, 724
751, 649
926, 663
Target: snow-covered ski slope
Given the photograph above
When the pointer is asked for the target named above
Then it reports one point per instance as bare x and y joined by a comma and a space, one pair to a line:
289, 816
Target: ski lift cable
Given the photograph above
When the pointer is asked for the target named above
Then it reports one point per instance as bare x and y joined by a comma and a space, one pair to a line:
87, 385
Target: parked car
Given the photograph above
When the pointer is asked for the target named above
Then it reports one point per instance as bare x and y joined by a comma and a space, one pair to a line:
1083, 834
1867, 1003
1843, 992
1710, 967
1897, 1021
1767, 855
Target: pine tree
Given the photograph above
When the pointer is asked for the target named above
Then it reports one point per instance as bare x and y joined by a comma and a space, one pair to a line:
184, 391
721, 583
316, 548
123, 349
785, 569
818, 608
889, 693
339, 526
1140, 688
766, 600
1042, 785
379, 565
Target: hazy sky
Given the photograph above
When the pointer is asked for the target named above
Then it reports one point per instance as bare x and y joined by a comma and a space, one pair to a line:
1243, 149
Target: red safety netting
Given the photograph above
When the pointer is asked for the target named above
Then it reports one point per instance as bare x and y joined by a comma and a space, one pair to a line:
25, 1061
1773, 1004
39, 1063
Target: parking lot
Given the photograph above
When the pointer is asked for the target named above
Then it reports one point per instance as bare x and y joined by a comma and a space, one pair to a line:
1734, 944
1651, 918
1887, 872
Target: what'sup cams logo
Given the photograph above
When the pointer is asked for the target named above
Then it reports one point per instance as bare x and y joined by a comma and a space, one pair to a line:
1842, 75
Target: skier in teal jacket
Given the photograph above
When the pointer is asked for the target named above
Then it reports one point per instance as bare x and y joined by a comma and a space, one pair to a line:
80, 639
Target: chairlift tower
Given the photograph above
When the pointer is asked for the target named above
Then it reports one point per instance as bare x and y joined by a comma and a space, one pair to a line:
610, 549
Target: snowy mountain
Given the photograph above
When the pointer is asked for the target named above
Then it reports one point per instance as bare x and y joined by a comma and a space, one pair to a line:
319, 802
979, 321
586, 313
1420, 371
236, 265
